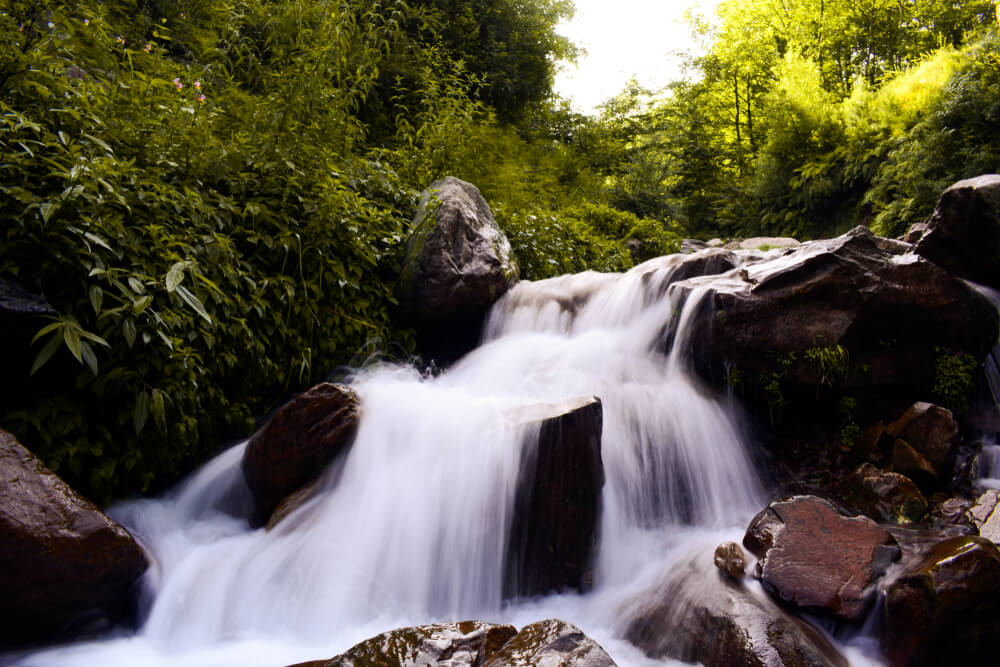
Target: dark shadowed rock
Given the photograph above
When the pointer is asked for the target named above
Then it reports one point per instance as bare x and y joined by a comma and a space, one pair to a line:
729, 558
883, 496
557, 505
931, 431
698, 614
848, 313
65, 567
553, 643
299, 441
457, 263
944, 607
914, 232
908, 461
963, 235
813, 557
22, 314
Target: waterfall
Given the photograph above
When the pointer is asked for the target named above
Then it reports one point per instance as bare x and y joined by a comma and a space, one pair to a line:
410, 525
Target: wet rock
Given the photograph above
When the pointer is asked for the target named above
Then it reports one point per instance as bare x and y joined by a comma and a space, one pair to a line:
452, 644
552, 643
292, 502
984, 515
65, 567
299, 441
952, 513
765, 243
883, 496
729, 558
944, 607
931, 431
847, 313
692, 245
915, 231
699, 615
815, 558
908, 461
963, 234
706, 263
557, 504
457, 263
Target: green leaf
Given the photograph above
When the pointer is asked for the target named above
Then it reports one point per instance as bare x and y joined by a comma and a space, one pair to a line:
89, 357
128, 331
175, 275
96, 298
157, 408
47, 208
46, 353
71, 335
195, 303
141, 411
46, 329
136, 285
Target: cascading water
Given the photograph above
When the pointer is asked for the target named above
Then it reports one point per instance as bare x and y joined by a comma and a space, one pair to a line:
411, 524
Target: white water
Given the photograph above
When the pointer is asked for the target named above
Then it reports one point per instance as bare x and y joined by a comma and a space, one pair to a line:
410, 528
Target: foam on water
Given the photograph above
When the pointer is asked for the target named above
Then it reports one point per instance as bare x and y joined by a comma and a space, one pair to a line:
411, 525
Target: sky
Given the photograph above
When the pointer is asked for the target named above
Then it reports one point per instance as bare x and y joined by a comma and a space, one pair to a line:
625, 38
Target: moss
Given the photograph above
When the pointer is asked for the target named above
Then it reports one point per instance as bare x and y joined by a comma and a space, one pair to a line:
954, 380
831, 363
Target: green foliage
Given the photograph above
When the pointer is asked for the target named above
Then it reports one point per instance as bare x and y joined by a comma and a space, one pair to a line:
849, 430
955, 380
831, 363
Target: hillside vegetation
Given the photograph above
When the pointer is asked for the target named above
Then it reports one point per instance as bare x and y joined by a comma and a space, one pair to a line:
214, 194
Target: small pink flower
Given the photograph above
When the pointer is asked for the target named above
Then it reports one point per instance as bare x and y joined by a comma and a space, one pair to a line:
177, 83
201, 98
148, 47
197, 85
86, 21
120, 39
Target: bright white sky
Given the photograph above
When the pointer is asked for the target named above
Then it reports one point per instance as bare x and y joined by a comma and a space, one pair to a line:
625, 38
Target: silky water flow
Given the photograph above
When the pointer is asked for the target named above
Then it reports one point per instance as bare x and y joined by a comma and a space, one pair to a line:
411, 524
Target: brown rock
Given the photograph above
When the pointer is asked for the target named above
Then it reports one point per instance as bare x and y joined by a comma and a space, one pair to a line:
65, 567
931, 430
883, 496
729, 558
552, 643
695, 615
813, 557
908, 461
914, 232
299, 441
963, 235
944, 608
557, 504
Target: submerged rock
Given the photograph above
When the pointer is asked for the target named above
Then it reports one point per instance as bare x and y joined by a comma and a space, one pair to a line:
963, 234
557, 504
299, 441
458, 262
65, 567
815, 558
697, 614
553, 643
944, 607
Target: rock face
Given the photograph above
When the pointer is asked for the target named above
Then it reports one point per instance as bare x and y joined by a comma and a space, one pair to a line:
883, 496
851, 312
698, 615
963, 235
458, 263
553, 643
557, 505
931, 431
815, 558
65, 567
984, 515
299, 441
944, 608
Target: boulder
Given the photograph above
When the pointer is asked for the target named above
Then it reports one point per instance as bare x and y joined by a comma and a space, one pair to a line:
963, 234
457, 263
764, 243
699, 615
944, 607
552, 643
729, 558
65, 567
984, 515
553, 533
883, 496
931, 431
814, 557
848, 313
298, 442
914, 232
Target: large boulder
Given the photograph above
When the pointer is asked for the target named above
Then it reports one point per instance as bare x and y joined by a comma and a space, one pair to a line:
697, 614
944, 607
65, 567
883, 496
963, 235
813, 557
850, 313
931, 431
458, 262
553, 643
297, 444
553, 534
